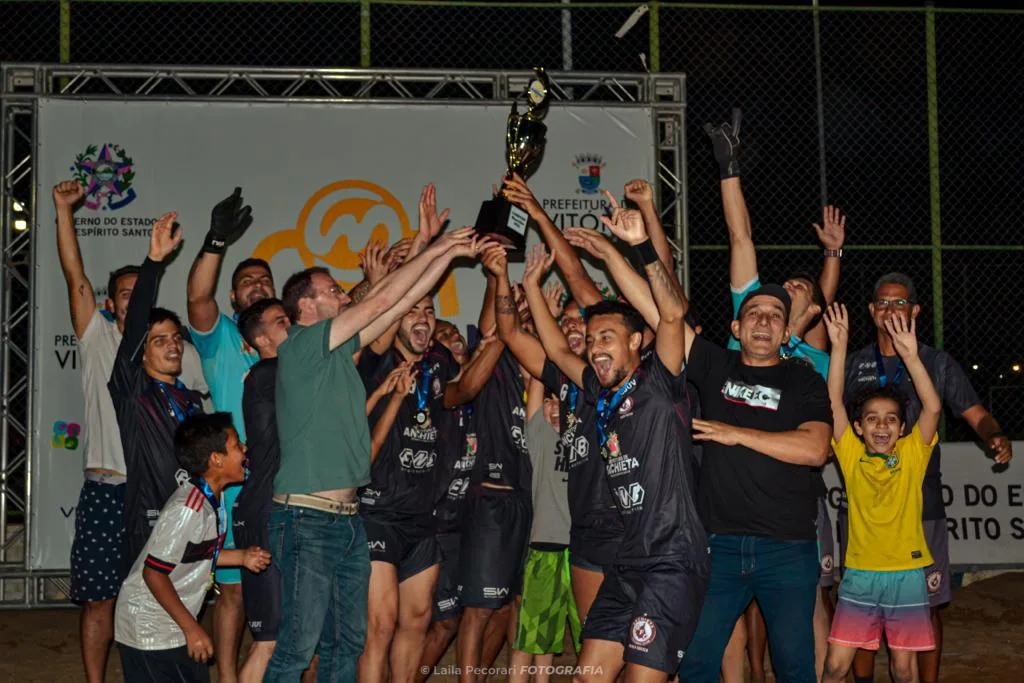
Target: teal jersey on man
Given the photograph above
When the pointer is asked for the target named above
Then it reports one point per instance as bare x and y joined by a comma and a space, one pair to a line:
226, 360
794, 348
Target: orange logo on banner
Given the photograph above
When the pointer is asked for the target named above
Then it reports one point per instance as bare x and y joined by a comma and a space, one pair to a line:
341, 255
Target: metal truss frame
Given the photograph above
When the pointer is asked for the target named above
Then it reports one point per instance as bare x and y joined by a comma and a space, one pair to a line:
21, 87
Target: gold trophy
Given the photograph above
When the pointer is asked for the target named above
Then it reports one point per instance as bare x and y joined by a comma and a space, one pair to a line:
524, 147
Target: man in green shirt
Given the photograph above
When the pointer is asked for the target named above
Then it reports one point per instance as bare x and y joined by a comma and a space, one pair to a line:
316, 533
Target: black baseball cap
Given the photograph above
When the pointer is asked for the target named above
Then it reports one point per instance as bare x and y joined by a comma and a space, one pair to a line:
776, 291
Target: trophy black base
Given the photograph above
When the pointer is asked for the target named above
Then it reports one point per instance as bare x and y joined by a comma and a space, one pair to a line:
504, 222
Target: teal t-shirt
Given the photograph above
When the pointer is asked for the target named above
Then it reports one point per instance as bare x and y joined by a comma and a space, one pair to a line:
795, 348
321, 413
226, 360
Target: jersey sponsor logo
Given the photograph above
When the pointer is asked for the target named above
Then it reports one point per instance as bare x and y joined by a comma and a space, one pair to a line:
494, 470
519, 411
629, 497
465, 463
519, 437
418, 461
753, 395
934, 581
563, 392
642, 632
369, 496
447, 604
617, 466
457, 489
627, 406
491, 592
424, 434
377, 546
471, 446
181, 478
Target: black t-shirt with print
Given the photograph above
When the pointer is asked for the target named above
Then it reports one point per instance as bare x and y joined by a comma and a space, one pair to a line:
590, 498
950, 382
648, 464
458, 447
403, 478
500, 415
742, 491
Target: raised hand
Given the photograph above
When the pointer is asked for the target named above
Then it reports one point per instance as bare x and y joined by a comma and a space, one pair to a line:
553, 294
256, 559
591, 241
833, 234
517, 192
397, 254
228, 219
164, 239
538, 263
67, 193
431, 222
495, 260
373, 261
406, 379
462, 236
838, 324
639, 192
626, 224
904, 336
725, 137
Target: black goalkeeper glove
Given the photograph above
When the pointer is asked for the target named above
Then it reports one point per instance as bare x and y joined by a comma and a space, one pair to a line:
726, 140
228, 220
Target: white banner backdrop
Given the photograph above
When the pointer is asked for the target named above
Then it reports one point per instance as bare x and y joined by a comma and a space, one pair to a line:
322, 180
984, 508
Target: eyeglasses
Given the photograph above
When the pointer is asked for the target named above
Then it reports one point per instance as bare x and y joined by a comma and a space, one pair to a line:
892, 303
333, 291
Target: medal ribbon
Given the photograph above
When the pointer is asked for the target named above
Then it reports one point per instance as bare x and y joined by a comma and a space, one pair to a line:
606, 407
573, 396
176, 411
883, 377
204, 487
423, 387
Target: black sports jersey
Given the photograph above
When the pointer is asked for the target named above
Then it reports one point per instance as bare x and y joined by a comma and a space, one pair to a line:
743, 491
148, 412
502, 458
252, 507
457, 447
648, 462
951, 383
403, 478
589, 494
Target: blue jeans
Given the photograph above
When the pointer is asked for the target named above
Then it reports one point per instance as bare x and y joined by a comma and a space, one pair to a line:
325, 578
783, 576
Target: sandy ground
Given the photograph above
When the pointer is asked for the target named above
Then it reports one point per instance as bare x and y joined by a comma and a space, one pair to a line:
984, 640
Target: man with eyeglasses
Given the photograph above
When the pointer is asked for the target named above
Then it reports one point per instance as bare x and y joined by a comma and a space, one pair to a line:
319, 540
878, 365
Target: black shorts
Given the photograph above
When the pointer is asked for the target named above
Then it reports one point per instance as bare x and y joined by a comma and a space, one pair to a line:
162, 666
826, 546
261, 596
596, 544
493, 548
446, 594
651, 609
412, 549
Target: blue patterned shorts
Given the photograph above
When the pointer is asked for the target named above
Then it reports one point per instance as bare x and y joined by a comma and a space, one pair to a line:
96, 550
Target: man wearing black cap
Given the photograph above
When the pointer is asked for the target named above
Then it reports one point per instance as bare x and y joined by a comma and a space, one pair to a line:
766, 428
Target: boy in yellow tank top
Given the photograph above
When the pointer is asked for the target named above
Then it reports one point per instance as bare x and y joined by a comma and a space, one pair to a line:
884, 586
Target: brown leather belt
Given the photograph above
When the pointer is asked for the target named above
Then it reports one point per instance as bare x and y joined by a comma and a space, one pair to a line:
334, 507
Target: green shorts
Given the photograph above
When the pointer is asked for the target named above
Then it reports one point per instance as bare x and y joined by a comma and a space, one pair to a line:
547, 603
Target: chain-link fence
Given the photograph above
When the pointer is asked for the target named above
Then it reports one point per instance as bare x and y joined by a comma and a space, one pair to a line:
905, 118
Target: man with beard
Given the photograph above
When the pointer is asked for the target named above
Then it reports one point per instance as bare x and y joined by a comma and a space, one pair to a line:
325, 456
226, 360
96, 550
648, 604
264, 326
398, 504
879, 365
149, 399
807, 342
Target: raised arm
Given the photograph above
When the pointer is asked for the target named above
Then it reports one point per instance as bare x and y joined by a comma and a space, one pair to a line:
832, 236
400, 290
228, 219
556, 346
904, 340
628, 225
641, 193
725, 138
402, 387
534, 397
81, 298
582, 287
524, 346
477, 371
838, 324
384, 389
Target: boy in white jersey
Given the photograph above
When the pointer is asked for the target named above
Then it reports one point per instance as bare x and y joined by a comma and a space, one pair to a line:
155, 621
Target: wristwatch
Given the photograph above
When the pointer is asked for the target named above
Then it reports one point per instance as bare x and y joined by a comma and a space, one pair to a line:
834, 253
